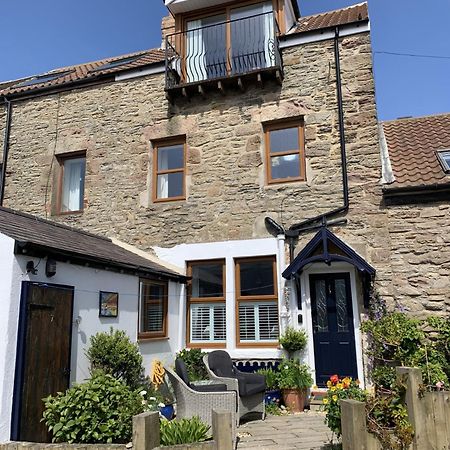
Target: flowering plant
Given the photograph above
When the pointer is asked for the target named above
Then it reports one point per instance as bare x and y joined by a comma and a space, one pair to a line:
338, 389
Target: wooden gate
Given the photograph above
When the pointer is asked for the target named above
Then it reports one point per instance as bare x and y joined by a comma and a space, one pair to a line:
43, 360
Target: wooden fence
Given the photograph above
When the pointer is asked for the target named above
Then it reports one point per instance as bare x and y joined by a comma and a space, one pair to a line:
428, 412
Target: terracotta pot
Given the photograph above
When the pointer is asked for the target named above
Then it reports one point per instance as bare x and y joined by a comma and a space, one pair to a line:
295, 399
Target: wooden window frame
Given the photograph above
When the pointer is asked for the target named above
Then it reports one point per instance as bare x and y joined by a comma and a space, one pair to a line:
61, 160
149, 335
199, 300
254, 299
182, 20
284, 125
156, 145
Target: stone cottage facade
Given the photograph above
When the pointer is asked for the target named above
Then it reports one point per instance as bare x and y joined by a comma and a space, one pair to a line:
187, 154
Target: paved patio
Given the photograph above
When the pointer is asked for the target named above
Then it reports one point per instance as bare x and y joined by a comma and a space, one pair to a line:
305, 431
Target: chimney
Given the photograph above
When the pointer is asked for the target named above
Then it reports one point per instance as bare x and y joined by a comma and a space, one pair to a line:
167, 27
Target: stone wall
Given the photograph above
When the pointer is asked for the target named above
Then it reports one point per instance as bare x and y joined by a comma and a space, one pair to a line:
227, 197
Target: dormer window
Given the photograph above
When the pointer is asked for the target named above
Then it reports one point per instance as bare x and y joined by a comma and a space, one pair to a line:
444, 158
228, 42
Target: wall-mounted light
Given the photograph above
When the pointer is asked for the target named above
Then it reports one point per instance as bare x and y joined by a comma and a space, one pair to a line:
30, 268
50, 268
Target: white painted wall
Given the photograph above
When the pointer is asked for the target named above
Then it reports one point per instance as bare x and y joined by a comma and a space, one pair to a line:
86, 322
229, 250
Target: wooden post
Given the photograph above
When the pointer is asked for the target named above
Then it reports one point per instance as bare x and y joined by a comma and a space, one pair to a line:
146, 431
353, 420
416, 411
222, 430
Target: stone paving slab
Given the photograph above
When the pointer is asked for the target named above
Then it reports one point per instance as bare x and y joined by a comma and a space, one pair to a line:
304, 431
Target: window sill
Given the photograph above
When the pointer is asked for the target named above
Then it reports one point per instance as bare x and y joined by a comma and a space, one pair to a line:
144, 338
69, 213
275, 345
168, 200
206, 345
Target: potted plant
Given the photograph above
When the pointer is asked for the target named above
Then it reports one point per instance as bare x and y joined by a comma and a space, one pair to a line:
273, 391
293, 340
295, 379
159, 382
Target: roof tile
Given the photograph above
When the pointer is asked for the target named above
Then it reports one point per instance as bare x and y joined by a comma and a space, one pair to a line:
412, 145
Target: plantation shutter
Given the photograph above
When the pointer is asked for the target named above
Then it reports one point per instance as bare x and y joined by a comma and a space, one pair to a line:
155, 316
258, 321
268, 321
208, 322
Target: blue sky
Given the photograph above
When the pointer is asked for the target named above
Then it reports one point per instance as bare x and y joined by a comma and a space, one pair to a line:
36, 36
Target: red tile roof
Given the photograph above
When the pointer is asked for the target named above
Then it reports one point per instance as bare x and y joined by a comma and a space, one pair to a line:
86, 71
351, 14
90, 71
412, 144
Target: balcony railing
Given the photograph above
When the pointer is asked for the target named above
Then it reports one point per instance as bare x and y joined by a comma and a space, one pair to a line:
219, 51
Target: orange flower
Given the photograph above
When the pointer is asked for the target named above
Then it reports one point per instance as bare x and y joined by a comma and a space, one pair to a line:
334, 379
346, 382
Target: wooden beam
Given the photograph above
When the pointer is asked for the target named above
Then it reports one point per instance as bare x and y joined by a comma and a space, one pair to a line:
221, 87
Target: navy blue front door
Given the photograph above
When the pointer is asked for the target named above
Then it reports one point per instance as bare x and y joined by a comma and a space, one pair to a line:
333, 328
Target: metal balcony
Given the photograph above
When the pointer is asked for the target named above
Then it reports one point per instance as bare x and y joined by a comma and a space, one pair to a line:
216, 55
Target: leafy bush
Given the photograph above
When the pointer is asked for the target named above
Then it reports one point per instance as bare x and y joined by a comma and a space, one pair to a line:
115, 354
273, 409
193, 358
271, 377
183, 431
339, 389
399, 340
294, 375
98, 411
293, 340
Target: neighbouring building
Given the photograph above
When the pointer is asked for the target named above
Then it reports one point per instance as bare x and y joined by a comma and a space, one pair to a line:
246, 152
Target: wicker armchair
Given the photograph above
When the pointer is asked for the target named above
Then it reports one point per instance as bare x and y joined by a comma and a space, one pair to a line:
190, 403
253, 403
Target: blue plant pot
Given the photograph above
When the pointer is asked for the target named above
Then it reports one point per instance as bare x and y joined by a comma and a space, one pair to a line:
167, 411
273, 397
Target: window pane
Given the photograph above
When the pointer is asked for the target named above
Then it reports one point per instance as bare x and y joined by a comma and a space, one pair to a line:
341, 306
208, 322
153, 310
247, 328
207, 280
285, 167
268, 322
257, 277
171, 157
73, 184
170, 185
284, 140
320, 318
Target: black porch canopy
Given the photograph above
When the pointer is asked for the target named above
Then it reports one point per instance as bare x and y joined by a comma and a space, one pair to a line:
327, 247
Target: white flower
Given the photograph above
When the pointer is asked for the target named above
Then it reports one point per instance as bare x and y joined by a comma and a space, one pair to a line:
144, 402
161, 405
286, 367
152, 399
143, 393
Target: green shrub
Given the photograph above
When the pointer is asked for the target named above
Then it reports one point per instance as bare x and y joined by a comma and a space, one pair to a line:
183, 431
115, 354
294, 375
98, 411
272, 409
193, 358
271, 377
293, 340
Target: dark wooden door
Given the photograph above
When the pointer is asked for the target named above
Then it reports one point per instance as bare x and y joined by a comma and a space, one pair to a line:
46, 363
333, 328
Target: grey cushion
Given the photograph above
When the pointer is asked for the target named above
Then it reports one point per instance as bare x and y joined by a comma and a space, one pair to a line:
219, 387
181, 370
221, 364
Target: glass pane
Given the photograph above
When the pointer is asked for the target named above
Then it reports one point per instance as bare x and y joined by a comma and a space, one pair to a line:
257, 278
341, 306
268, 322
284, 140
320, 319
251, 37
200, 323
73, 184
207, 280
247, 328
285, 167
170, 185
153, 314
220, 323
171, 157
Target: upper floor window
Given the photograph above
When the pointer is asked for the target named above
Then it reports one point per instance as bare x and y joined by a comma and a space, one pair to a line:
153, 309
257, 301
285, 152
72, 177
206, 304
169, 170
444, 158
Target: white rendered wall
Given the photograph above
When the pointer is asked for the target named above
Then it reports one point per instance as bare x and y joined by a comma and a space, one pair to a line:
229, 250
9, 313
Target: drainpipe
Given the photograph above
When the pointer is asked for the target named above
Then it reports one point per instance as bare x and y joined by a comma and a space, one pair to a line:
344, 208
8, 105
